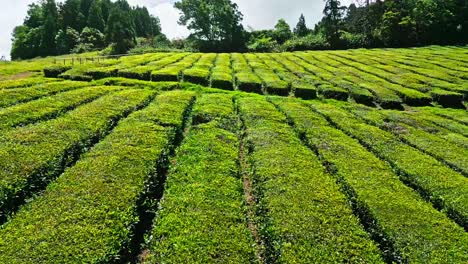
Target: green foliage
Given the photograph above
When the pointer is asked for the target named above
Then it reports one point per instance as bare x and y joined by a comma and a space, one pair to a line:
333, 14
409, 228
263, 44
296, 196
449, 153
95, 19
301, 29
216, 25
66, 40
49, 107
14, 96
282, 31
106, 183
51, 29
55, 143
442, 186
55, 71
204, 196
120, 31
309, 42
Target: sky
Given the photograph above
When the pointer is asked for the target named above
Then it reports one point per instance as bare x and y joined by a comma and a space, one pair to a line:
258, 14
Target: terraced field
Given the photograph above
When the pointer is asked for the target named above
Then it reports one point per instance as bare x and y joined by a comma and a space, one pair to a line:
389, 78
120, 170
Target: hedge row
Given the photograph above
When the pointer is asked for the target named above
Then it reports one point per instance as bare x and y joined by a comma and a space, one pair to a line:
460, 116
173, 72
445, 188
453, 155
380, 79
409, 85
96, 201
301, 87
143, 72
119, 81
246, 80
271, 82
25, 82
50, 107
332, 72
35, 154
112, 67
200, 72
303, 216
365, 76
202, 216
407, 228
221, 73
9, 97
417, 121
443, 122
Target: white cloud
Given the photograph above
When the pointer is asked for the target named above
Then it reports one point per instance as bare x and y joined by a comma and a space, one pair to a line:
12, 14
259, 14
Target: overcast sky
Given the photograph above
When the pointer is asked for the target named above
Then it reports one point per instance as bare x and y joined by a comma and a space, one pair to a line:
259, 14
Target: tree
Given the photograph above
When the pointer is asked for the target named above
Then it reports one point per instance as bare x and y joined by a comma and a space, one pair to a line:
85, 7
50, 28
120, 29
93, 37
34, 17
95, 19
333, 12
282, 31
72, 16
106, 6
301, 29
66, 40
26, 43
143, 22
215, 22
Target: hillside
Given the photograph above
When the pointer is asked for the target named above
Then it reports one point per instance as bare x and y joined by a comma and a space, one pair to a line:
356, 156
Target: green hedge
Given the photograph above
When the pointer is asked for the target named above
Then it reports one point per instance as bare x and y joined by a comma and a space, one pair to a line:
9, 97
96, 201
50, 107
203, 211
35, 154
31, 81
331, 91
408, 228
445, 188
118, 81
453, 155
55, 71
248, 81
197, 75
303, 216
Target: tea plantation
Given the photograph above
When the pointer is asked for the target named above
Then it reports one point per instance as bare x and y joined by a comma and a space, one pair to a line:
357, 156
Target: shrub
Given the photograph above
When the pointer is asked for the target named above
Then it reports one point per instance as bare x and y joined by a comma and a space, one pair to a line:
55, 71
309, 42
263, 44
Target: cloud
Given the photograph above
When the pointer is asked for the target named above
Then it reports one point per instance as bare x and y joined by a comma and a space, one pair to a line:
12, 14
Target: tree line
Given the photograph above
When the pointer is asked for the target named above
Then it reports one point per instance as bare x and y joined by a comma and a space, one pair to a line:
52, 28
216, 26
